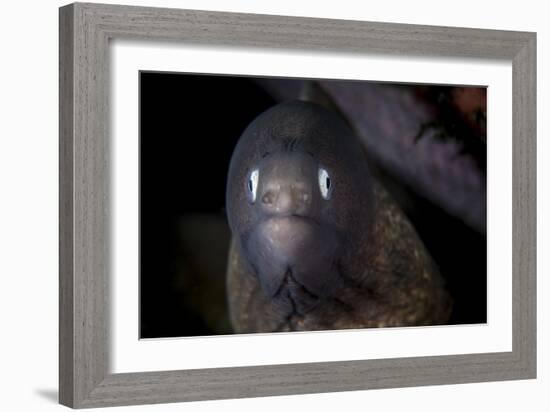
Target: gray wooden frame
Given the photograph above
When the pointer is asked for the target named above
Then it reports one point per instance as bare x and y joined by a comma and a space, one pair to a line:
85, 31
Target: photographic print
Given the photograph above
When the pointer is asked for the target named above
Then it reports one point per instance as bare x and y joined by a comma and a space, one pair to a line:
310, 209
282, 205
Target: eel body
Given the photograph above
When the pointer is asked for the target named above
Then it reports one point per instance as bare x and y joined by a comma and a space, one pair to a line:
317, 242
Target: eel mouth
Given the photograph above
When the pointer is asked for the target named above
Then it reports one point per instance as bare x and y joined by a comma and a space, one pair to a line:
295, 301
295, 297
294, 259
287, 238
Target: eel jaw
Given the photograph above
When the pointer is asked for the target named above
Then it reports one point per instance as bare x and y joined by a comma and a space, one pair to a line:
293, 257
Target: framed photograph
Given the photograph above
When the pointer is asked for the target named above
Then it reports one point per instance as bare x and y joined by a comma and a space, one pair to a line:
257, 205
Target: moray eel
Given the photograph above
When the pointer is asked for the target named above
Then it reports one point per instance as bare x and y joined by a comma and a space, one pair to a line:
317, 243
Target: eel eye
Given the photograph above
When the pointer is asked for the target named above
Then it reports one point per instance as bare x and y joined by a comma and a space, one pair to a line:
325, 184
252, 184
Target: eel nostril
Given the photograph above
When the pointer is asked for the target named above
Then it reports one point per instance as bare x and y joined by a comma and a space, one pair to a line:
301, 196
268, 198
283, 199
